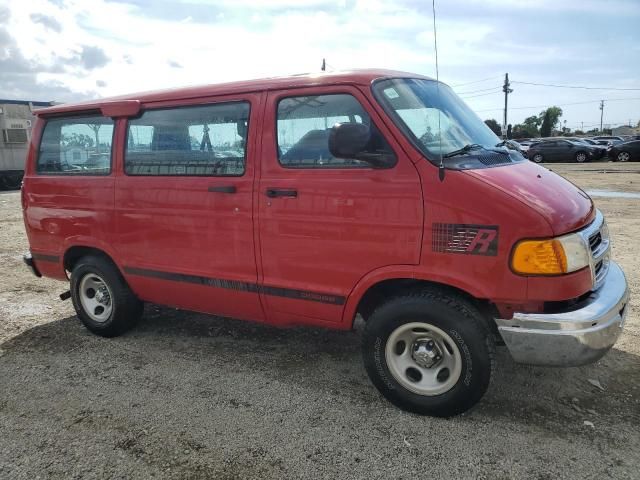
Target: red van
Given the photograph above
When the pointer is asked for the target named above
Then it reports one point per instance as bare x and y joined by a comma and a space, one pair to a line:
309, 200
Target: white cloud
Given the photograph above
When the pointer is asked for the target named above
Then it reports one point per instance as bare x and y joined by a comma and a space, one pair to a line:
196, 42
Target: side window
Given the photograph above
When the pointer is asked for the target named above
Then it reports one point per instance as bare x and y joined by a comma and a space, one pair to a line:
76, 146
205, 140
304, 125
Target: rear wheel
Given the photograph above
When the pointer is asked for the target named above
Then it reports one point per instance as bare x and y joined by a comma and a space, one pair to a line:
429, 352
538, 158
11, 181
623, 156
581, 157
102, 299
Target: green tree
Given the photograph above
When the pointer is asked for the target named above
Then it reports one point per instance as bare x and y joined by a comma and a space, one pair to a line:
527, 129
494, 126
549, 118
76, 140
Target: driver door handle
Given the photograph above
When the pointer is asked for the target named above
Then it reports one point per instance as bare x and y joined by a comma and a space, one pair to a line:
223, 189
281, 192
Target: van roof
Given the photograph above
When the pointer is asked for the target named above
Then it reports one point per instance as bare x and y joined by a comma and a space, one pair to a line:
351, 77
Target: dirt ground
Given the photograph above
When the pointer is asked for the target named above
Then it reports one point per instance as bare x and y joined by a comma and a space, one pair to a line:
190, 396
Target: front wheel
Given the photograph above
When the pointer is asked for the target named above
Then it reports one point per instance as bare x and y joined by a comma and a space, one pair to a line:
623, 157
102, 299
429, 352
581, 157
538, 158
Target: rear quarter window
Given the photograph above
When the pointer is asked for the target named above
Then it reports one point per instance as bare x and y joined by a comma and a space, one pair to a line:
76, 146
203, 140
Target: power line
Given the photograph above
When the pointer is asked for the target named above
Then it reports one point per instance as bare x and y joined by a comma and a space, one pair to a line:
476, 91
483, 94
476, 81
574, 86
561, 104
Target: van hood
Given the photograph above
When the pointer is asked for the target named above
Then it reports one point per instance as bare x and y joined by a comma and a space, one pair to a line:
565, 206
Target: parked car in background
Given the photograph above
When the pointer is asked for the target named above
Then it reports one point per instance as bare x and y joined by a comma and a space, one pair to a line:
517, 146
599, 150
624, 152
561, 151
607, 140
610, 138
526, 143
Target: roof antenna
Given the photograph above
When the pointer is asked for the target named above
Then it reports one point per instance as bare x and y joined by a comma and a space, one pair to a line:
435, 47
324, 65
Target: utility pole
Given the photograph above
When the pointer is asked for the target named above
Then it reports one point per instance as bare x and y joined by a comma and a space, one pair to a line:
324, 65
507, 91
582, 126
601, 113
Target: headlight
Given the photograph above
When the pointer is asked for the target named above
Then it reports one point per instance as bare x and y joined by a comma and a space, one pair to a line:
553, 256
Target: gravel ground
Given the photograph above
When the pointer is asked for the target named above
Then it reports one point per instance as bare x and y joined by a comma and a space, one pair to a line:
190, 396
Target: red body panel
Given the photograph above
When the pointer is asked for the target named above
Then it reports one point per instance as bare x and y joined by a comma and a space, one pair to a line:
304, 260
343, 224
563, 205
176, 225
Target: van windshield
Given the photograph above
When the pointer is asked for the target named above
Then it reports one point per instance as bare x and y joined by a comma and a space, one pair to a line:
421, 111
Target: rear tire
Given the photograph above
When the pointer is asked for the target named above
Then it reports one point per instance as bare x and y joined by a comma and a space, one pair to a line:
102, 299
11, 181
429, 352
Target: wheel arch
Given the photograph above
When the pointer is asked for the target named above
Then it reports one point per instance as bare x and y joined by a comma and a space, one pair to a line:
385, 283
75, 252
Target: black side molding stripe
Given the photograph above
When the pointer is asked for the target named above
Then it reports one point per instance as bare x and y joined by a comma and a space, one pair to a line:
45, 258
237, 285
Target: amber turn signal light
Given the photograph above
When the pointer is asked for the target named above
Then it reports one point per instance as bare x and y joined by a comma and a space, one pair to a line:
539, 257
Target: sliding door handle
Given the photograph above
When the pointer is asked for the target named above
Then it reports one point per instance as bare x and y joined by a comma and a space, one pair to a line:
281, 192
223, 189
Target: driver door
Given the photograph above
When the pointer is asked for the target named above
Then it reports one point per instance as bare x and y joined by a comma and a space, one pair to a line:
326, 222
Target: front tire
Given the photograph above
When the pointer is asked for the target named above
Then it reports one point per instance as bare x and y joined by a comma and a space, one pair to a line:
102, 299
538, 158
623, 157
581, 157
429, 352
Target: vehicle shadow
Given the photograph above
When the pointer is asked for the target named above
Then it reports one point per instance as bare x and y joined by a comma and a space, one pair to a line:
314, 361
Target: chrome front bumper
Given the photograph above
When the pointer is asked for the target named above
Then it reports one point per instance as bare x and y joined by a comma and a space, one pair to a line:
570, 338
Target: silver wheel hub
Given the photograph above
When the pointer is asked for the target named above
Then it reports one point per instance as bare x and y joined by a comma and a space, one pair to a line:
426, 353
95, 297
423, 358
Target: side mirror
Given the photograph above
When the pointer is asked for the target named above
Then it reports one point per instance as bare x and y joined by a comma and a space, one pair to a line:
352, 140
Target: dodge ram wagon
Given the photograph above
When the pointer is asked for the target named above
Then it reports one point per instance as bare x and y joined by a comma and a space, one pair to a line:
316, 199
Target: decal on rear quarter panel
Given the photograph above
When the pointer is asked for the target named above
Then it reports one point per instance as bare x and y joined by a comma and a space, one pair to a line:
467, 239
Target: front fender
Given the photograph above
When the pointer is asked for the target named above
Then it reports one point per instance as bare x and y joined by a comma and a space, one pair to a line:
413, 272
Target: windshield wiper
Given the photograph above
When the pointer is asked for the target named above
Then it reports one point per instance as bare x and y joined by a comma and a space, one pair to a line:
466, 149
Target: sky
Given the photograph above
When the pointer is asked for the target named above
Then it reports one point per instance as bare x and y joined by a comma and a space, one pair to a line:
70, 50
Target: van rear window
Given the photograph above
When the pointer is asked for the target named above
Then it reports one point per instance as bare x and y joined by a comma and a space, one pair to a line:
76, 146
205, 140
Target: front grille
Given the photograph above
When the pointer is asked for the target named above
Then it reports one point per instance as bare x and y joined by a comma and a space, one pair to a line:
598, 267
595, 241
597, 237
